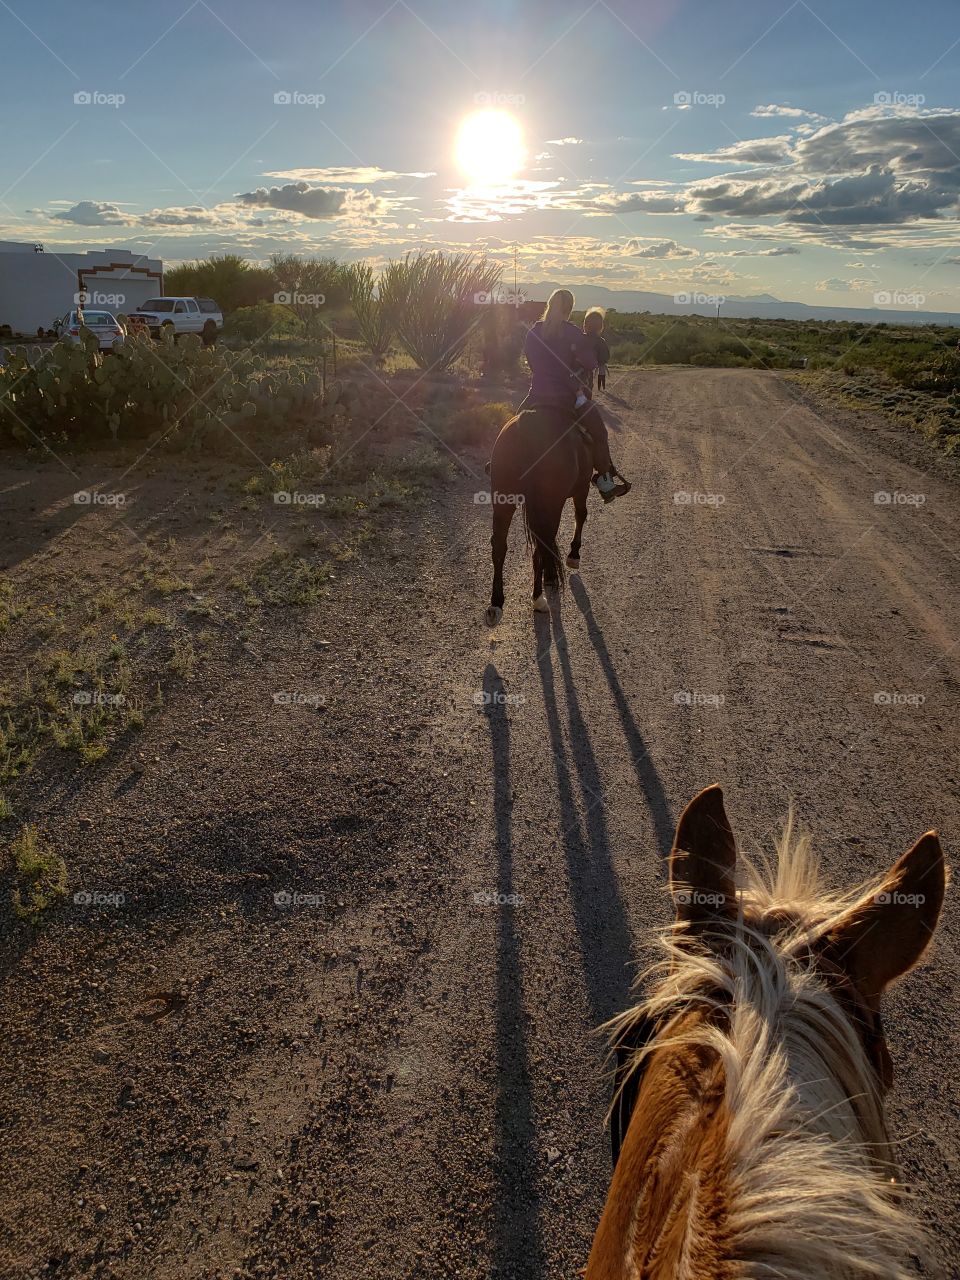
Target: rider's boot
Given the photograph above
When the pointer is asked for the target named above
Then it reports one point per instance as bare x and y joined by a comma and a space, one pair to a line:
608, 486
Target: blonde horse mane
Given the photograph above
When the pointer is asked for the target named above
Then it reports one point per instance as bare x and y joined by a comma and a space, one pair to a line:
811, 1174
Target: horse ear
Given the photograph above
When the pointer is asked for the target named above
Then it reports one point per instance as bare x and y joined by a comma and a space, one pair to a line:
702, 862
885, 935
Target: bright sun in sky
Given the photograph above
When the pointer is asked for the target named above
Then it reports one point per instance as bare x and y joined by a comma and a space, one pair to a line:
490, 147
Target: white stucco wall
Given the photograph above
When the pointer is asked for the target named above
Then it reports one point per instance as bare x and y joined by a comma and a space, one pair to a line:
36, 288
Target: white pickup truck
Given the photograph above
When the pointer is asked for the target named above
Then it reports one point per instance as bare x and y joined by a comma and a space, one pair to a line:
181, 315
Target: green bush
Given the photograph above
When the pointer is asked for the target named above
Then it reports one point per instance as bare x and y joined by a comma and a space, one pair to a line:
373, 320
263, 320
201, 395
431, 299
315, 287
478, 424
40, 875
230, 280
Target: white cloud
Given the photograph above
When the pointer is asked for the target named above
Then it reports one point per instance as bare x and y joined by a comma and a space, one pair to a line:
907, 142
659, 249
874, 196
638, 202
778, 251
190, 216
93, 213
314, 202
746, 151
509, 200
361, 175
796, 113
835, 285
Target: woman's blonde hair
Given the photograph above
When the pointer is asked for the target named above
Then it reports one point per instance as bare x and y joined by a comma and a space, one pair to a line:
595, 313
557, 313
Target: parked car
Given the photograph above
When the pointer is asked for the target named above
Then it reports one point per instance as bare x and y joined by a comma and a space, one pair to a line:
182, 315
104, 324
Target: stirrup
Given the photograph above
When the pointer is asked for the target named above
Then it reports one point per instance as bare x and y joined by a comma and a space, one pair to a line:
617, 492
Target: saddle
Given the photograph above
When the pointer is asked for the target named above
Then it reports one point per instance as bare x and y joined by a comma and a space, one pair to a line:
563, 419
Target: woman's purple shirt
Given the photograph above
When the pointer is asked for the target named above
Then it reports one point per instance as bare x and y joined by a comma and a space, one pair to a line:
552, 363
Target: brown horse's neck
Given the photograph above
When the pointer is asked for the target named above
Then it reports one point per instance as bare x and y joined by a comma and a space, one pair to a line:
665, 1217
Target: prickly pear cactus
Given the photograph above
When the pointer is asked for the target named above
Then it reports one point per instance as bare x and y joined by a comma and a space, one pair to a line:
167, 390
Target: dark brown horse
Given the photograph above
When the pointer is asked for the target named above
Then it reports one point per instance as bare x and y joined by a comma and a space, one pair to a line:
540, 459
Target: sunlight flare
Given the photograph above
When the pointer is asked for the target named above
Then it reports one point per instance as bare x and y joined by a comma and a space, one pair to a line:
490, 147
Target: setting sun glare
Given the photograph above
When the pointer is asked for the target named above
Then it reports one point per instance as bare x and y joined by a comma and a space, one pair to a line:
490, 147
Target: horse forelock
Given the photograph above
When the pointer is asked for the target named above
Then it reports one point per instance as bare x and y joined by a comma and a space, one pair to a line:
791, 1154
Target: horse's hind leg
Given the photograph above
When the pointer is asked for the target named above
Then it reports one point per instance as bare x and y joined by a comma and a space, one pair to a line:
539, 599
543, 525
580, 511
502, 516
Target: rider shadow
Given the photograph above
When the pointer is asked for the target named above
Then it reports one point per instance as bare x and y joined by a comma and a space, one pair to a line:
647, 775
518, 1249
599, 912
611, 419
612, 395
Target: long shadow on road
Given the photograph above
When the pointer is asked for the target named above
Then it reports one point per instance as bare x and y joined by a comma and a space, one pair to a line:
601, 918
646, 772
517, 1250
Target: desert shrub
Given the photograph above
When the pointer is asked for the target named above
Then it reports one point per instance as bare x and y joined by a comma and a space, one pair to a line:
628, 352
260, 321
40, 875
311, 287
477, 424
190, 394
720, 359
431, 299
373, 320
939, 375
232, 281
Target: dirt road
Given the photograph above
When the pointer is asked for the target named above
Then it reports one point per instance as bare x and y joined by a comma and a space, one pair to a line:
391, 1070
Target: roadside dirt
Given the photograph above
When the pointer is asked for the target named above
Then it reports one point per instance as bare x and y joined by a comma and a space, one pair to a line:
343, 1023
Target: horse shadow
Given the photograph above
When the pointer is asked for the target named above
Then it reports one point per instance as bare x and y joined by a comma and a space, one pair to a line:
611, 419
644, 767
518, 1247
600, 914
612, 395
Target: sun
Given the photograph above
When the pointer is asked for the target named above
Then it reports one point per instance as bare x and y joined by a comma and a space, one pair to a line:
490, 147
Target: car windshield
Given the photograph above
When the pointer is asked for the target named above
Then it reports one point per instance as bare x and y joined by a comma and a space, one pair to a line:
97, 317
157, 304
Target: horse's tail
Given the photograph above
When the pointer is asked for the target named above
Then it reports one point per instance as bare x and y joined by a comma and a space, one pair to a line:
542, 533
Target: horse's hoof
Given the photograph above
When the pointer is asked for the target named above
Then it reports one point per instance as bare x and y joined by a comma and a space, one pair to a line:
541, 605
573, 562
494, 614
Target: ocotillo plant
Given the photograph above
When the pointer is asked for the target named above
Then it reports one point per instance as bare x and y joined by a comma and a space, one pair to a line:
434, 301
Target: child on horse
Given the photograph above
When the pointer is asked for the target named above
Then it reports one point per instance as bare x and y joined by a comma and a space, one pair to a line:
562, 359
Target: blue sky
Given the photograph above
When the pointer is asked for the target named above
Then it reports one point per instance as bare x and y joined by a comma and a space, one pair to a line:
807, 150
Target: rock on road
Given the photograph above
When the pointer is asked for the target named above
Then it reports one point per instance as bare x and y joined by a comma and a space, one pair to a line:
406, 1081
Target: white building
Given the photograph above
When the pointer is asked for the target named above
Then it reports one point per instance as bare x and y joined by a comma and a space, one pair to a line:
38, 286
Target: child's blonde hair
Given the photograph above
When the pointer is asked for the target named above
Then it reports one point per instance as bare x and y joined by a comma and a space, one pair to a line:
595, 313
557, 313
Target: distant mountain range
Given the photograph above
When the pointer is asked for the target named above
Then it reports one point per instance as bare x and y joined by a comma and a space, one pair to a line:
761, 306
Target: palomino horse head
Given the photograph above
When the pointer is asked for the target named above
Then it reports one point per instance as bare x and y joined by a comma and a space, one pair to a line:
756, 1145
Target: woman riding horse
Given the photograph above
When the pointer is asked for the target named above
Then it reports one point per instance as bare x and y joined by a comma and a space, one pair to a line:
562, 359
